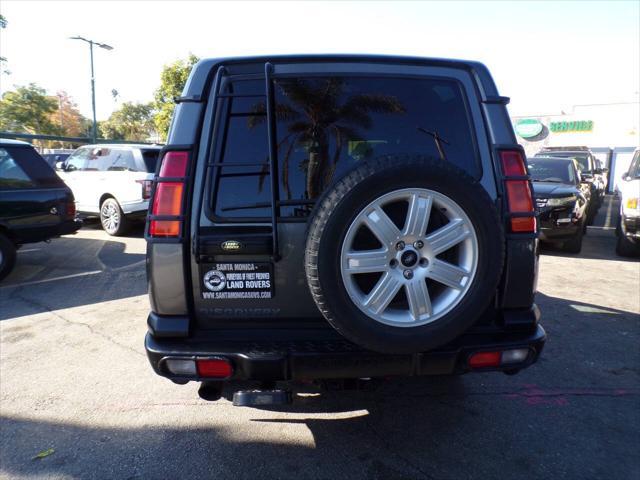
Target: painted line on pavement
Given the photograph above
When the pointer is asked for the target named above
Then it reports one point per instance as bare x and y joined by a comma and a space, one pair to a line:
54, 279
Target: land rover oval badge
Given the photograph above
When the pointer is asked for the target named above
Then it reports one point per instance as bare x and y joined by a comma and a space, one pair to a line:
231, 245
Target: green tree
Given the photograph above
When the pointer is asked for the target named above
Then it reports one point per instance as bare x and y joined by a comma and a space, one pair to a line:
67, 117
28, 109
172, 80
3, 60
132, 122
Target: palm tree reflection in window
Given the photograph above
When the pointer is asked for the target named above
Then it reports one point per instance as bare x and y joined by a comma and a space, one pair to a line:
315, 111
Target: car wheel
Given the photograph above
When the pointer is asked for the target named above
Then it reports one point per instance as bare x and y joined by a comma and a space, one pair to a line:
574, 245
404, 253
112, 218
7, 256
625, 247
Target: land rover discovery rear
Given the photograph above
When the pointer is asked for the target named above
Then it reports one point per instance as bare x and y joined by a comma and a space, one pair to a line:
340, 217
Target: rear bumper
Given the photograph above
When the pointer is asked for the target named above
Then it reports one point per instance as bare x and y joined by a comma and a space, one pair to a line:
135, 207
337, 358
40, 234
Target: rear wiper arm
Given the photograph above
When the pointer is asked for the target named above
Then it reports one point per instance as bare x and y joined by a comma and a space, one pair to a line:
438, 140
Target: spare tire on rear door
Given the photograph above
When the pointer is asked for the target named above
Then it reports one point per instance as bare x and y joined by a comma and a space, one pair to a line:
404, 253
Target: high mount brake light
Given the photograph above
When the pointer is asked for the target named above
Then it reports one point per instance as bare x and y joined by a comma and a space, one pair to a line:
518, 190
168, 200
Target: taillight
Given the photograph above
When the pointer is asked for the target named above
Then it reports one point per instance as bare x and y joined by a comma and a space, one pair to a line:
498, 358
70, 209
146, 188
214, 368
167, 208
518, 190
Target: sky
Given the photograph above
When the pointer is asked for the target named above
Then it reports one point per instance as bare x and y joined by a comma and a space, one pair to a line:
546, 56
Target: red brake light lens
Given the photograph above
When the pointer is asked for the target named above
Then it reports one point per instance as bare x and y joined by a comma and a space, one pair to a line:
484, 359
214, 368
523, 224
168, 198
146, 188
512, 163
174, 164
519, 195
70, 210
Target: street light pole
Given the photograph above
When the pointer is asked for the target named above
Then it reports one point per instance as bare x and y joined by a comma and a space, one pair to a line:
94, 133
94, 130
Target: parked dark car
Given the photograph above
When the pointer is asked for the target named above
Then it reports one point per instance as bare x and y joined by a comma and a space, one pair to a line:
340, 217
588, 165
562, 198
35, 205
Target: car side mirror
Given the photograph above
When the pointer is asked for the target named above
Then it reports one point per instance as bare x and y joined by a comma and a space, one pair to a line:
626, 177
60, 166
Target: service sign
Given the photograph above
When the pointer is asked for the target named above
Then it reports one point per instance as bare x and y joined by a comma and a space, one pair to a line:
238, 280
528, 127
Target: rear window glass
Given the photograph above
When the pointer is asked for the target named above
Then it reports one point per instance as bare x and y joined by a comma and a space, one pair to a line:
326, 126
150, 159
11, 174
22, 167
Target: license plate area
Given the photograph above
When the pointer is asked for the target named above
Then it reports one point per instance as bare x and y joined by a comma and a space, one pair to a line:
236, 281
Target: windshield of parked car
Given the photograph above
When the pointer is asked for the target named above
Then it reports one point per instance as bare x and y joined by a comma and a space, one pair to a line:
581, 158
558, 171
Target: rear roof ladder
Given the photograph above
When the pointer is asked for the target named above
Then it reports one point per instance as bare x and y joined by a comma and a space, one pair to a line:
273, 154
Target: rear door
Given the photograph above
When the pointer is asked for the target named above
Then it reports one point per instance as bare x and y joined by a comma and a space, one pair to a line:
323, 126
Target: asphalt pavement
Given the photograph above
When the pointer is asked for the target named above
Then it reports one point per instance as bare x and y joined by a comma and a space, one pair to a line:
75, 386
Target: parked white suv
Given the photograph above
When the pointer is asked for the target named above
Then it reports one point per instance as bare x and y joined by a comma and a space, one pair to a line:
111, 181
629, 224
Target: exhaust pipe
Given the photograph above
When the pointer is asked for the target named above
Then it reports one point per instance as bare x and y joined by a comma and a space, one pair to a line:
210, 391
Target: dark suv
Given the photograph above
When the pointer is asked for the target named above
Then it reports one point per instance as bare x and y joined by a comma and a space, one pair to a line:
590, 169
340, 217
35, 205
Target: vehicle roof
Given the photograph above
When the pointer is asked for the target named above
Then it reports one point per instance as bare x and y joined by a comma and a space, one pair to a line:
555, 159
124, 145
198, 79
566, 149
545, 153
14, 143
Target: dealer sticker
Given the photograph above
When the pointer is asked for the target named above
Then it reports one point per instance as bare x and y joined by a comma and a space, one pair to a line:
237, 281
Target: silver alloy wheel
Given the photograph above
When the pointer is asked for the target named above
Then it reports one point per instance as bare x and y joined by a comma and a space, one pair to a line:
110, 217
409, 257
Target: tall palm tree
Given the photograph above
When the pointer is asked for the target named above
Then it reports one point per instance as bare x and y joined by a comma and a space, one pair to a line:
316, 111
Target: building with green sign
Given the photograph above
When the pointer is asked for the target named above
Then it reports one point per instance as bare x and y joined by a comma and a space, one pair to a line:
611, 130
